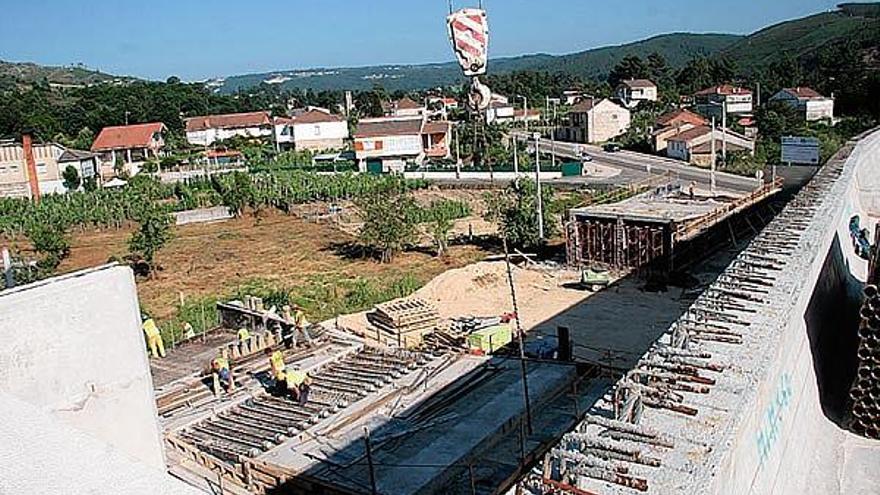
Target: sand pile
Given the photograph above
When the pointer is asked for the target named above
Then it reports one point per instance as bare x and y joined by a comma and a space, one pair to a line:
482, 289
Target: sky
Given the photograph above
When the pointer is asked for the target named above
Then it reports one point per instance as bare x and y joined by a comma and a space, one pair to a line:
198, 39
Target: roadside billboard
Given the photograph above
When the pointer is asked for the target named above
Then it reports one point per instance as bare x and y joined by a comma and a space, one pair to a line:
800, 150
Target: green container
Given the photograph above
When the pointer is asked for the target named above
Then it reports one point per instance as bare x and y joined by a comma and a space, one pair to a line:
572, 169
374, 167
489, 340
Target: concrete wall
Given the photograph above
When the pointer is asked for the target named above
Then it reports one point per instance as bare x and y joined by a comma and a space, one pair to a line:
785, 440
73, 348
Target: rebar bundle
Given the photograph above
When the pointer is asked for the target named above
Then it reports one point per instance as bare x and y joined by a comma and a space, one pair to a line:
866, 388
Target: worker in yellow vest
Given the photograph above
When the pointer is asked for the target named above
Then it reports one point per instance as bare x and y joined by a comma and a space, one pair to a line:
300, 323
243, 335
222, 374
154, 338
298, 384
276, 368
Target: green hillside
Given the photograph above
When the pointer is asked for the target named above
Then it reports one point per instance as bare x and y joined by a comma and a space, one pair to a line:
800, 38
677, 48
27, 72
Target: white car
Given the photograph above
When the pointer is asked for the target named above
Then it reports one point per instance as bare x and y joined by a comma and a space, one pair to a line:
585, 157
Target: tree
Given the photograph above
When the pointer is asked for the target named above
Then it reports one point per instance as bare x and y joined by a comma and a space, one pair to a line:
153, 234
516, 213
238, 194
71, 178
50, 241
389, 222
441, 225
631, 67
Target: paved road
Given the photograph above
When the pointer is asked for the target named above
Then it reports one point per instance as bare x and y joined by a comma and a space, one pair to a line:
650, 164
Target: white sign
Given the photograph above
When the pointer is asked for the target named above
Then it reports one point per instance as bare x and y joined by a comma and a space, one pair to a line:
804, 150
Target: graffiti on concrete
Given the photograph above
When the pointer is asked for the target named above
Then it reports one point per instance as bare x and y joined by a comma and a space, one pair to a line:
773, 417
859, 236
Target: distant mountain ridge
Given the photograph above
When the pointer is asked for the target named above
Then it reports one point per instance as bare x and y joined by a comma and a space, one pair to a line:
596, 63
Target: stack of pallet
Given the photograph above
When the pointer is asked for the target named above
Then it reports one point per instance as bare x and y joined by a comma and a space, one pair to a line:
403, 322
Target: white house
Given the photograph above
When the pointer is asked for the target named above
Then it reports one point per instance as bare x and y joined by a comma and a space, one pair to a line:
711, 101
812, 105
635, 91
208, 129
312, 128
387, 144
596, 121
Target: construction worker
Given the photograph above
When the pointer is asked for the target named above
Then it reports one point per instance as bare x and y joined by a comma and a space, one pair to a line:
188, 331
222, 373
298, 384
243, 335
300, 323
154, 338
276, 368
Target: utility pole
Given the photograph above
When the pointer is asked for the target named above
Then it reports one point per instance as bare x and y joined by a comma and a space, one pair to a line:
515, 156
519, 334
712, 164
525, 111
127, 113
538, 184
457, 152
723, 132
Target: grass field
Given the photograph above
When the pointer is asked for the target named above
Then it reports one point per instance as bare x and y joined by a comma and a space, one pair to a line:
310, 263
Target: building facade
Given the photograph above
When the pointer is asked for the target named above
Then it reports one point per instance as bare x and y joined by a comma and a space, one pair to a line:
811, 105
311, 129
50, 160
128, 146
208, 129
673, 123
596, 121
635, 91
694, 145
388, 144
712, 101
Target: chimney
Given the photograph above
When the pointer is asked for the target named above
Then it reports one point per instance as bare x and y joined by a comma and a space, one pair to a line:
31, 166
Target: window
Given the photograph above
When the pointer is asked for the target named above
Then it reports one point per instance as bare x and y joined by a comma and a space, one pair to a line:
317, 130
41, 168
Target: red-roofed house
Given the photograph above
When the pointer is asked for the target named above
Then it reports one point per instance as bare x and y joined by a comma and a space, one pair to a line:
208, 129
688, 144
711, 101
387, 144
312, 128
405, 107
812, 105
130, 144
635, 91
673, 123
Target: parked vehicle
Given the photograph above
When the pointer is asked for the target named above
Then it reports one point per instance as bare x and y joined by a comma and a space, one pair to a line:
585, 157
612, 147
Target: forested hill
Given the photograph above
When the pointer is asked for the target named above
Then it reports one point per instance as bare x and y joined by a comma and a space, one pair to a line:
857, 25
676, 48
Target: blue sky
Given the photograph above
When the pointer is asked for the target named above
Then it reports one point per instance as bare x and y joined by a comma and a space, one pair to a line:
197, 39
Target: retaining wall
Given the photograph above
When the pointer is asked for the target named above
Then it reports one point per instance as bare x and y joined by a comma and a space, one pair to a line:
789, 439
73, 347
